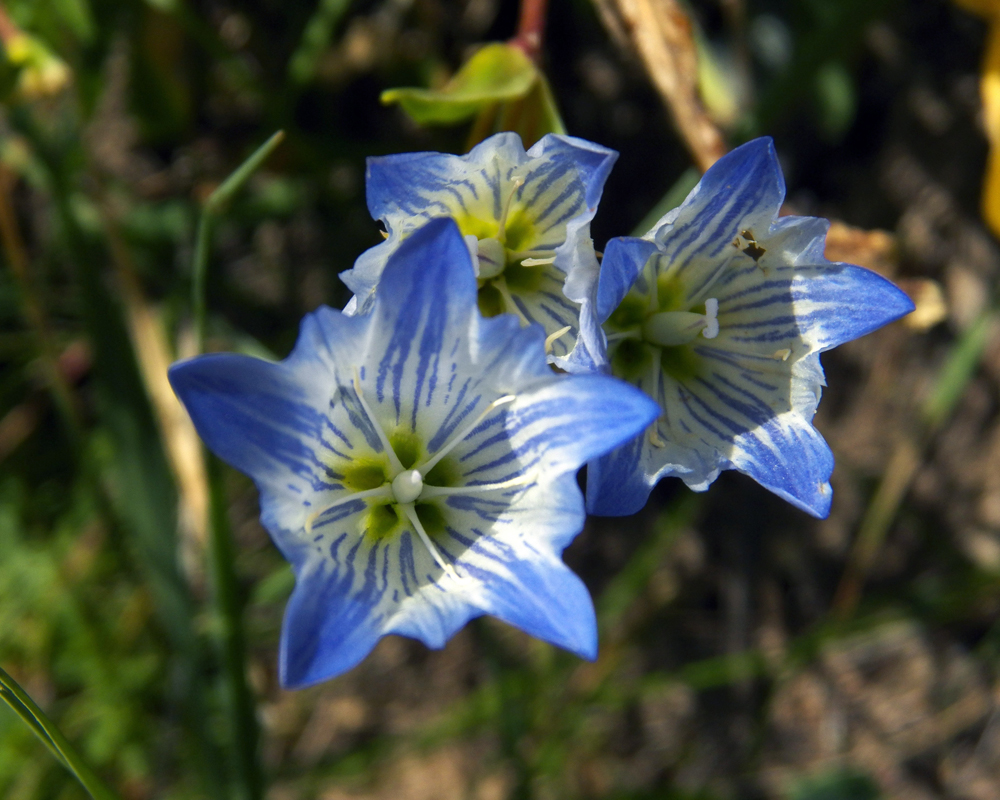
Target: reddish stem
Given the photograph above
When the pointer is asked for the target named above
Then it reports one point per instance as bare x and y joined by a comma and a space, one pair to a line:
531, 28
8, 30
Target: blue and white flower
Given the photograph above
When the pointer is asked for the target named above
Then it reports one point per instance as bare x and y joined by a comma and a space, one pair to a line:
416, 464
720, 313
525, 216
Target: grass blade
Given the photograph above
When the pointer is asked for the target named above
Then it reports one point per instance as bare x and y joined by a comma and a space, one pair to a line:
52, 737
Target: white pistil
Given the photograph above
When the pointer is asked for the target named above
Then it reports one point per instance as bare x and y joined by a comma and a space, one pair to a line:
508, 299
451, 443
381, 491
411, 515
394, 462
537, 262
711, 318
502, 232
407, 486
554, 336
672, 328
491, 258
430, 492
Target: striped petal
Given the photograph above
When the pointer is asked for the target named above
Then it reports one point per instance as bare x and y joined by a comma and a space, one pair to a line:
512, 551
743, 399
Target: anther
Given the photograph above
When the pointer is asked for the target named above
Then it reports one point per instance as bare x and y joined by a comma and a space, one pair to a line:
537, 262
553, 337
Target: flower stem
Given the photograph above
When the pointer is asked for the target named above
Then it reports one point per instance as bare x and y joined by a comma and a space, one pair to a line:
214, 207
26, 708
229, 610
531, 28
243, 733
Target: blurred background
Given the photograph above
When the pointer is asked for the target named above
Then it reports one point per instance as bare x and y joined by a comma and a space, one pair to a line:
747, 650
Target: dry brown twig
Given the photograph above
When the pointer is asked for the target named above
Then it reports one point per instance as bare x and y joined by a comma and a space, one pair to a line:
661, 33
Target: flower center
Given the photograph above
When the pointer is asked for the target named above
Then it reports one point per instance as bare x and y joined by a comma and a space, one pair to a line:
405, 488
507, 262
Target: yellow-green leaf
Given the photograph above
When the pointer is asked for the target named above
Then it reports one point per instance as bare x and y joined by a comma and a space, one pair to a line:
497, 73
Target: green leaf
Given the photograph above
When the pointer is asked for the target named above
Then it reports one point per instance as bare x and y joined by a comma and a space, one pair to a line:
497, 73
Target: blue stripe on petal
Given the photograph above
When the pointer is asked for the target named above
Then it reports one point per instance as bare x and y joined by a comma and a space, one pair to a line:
841, 302
617, 484
788, 456
515, 560
426, 298
592, 161
328, 628
254, 415
572, 421
624, 259
747, 181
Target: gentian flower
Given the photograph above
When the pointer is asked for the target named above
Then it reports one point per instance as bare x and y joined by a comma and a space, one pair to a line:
720, 313
416, 464
525, 216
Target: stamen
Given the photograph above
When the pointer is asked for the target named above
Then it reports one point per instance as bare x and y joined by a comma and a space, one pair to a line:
551, 339
781, 355
430, 492
654, 376
394, 462
381, 491
533, 253
411, 514
654, 286
451, 444
614, 337
537, 262
508, 300
502, 232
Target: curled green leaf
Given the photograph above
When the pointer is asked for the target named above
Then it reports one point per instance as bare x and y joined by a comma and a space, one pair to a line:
495, 74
